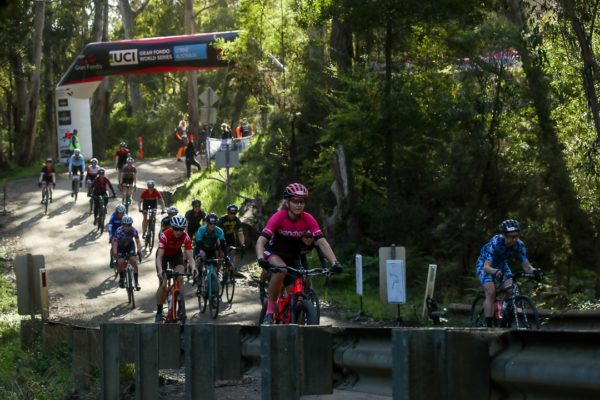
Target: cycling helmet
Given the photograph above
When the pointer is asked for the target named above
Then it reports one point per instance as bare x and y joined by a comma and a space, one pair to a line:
151, 183
94, 161
76, 152
127, 220
120, 208
178, 222
49, 160
212, 218
295, 190
130, 160
307, 234
232, 208
196, 202
172, 210
510, 225
122, 144
101, 171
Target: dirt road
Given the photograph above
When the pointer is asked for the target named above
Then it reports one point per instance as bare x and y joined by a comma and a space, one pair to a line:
82, 288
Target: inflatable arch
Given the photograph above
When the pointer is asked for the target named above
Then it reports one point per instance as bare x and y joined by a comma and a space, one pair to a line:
137, 56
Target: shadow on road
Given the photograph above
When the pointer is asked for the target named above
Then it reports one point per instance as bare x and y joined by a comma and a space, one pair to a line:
87, 240
108, 286
31, 221
77, 221
60, 210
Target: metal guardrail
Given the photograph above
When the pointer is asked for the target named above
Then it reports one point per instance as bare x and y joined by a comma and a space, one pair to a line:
402, 363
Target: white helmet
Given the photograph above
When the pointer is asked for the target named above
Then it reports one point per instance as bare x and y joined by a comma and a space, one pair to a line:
178, 222
120, 208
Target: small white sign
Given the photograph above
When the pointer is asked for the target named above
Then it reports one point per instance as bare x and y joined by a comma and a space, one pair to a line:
396, 285
209, 97
359, 275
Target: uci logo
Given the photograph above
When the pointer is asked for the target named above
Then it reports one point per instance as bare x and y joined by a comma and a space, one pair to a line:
123, 57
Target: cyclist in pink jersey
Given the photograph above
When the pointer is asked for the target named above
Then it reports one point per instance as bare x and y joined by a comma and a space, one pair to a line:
280, 242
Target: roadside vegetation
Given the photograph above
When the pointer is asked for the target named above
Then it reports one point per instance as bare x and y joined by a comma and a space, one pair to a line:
28, 370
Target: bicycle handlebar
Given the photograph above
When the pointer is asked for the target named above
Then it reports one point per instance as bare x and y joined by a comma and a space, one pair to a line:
301, 271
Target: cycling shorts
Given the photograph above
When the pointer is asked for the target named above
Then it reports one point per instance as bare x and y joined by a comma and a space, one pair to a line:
172, 261
128, 180
149, 204
484, 277
90, 177
291, 261
126, 251
47, 179
77, 168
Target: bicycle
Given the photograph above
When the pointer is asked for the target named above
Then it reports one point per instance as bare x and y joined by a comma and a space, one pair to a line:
45, 197
228, 281
294, 304
308, 291
113, 264
130, 282
175, 298
101, 216
127, 198
149, 236
208, 286
519, 309
75, 183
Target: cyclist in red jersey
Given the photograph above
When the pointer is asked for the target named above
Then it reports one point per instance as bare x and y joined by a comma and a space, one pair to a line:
170, 242
149, 200
121, 158
280, 242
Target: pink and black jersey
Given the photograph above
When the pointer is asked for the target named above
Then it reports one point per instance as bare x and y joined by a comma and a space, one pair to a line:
285, 234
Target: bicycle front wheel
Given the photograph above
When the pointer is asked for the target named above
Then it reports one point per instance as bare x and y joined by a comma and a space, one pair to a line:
214, 299
101, 218
305, 313
129, 286
202, 294
526, 315
229, 283
311, 296
477, 317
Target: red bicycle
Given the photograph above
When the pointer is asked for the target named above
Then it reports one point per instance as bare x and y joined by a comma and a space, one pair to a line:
295, 304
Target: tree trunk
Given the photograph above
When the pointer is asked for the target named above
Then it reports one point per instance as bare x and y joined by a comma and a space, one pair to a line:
589, 63
340, 41
388, 138
128, 19
100, 100
28, 130
576, 222
192, 84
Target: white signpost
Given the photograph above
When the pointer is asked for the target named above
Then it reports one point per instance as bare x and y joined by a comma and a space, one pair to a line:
430, 286
396, 284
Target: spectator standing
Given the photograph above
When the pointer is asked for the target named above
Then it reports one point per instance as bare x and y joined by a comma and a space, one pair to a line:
244, 129
190, 153
74, 142
182, 137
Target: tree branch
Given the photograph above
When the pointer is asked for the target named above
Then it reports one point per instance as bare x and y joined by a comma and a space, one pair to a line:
216, 3
140, 10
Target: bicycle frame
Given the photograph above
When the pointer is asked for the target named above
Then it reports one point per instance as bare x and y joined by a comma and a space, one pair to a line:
174, 291
289, 297
45, 196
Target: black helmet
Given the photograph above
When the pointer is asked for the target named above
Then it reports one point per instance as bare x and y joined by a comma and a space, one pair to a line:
212, 218
510, 225
232, 208
196, 202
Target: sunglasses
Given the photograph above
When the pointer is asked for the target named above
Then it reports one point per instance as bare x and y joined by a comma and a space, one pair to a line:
178, 229
126, 225
211, 223
232, 213
298, 201
512, 237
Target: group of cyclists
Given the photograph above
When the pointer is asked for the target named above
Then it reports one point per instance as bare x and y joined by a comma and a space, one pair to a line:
289, 234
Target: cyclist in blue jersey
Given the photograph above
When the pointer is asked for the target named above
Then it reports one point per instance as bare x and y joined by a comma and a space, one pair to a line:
76, 164
114, 222
495, 259
210, 241
124, 249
